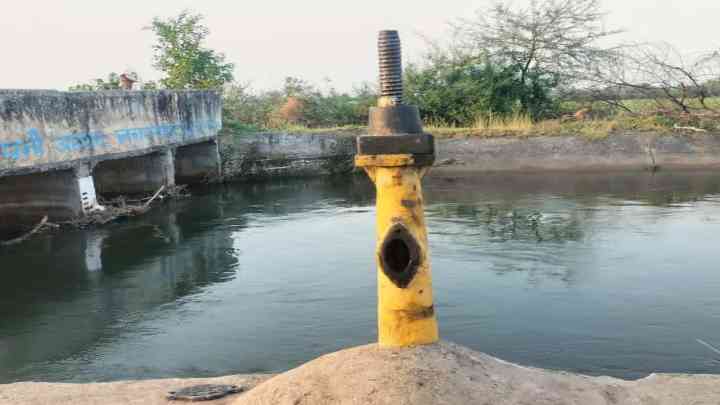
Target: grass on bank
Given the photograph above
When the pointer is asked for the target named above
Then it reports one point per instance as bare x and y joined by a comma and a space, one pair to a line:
520, 127
647, 116
594, 129
240, 129
639, 106
525, 127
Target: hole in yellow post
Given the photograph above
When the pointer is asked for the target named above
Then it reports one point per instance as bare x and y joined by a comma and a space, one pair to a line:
400, 256
397, 256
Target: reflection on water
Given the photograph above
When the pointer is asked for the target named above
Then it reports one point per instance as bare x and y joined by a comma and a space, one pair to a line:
598, 274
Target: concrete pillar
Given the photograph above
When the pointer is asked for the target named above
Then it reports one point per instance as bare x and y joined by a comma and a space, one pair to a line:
61, 195
197, 163
25, 199
135, 175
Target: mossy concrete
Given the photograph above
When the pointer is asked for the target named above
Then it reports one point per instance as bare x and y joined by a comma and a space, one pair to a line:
272, 155
626, 151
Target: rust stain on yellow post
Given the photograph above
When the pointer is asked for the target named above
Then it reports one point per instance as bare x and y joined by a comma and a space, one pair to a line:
406, 314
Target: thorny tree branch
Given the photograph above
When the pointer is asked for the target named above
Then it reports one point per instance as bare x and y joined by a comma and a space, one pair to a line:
560, 37
659, 72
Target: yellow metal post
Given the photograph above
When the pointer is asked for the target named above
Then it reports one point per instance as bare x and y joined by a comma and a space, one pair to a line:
396, 156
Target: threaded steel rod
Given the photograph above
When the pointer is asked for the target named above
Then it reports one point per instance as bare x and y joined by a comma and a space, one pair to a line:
390, 57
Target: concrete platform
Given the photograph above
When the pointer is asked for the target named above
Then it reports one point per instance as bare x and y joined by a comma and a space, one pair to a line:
450, 374
148, 392
443, 373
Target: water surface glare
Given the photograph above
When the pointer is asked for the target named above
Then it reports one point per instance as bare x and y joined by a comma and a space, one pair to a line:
600, 274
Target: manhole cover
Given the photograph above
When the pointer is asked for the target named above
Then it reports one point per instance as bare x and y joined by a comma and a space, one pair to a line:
205, 392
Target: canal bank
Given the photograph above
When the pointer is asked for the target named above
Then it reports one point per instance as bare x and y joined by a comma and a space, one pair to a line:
273, 155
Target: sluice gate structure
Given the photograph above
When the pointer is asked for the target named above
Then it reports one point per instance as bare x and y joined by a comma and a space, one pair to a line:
59, 150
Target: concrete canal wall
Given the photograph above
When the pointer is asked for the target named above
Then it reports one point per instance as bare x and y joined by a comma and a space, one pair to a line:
627, 152
250, 156
272, 155
58, 148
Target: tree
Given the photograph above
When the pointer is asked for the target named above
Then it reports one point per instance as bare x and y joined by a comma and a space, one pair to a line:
459, 90
244, 109
179, 53
556, 37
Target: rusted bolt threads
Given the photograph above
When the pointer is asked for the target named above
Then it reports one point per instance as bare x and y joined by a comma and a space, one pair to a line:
391, 85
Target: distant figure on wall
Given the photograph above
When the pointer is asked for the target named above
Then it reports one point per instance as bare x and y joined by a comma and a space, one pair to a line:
126, 83
583, 114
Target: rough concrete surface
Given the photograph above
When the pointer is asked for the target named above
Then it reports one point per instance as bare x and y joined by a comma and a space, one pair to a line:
447, 373
44, 130
263, 155
271, 155
135, 175
148, 392
630, 151
28, 198
440, 374
196, 163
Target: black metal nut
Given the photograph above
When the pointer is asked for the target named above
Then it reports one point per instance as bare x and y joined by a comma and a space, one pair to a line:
394, 120
420, 146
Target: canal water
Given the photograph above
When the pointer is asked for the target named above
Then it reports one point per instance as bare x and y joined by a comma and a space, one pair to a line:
599, 274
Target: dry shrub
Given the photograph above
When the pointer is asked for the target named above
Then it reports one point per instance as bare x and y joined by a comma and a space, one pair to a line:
516, 122
292, 112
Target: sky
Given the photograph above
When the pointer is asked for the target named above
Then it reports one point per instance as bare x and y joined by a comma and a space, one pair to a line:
52, 44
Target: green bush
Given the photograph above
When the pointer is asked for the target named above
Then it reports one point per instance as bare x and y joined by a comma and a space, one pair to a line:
244, 109
459, 91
